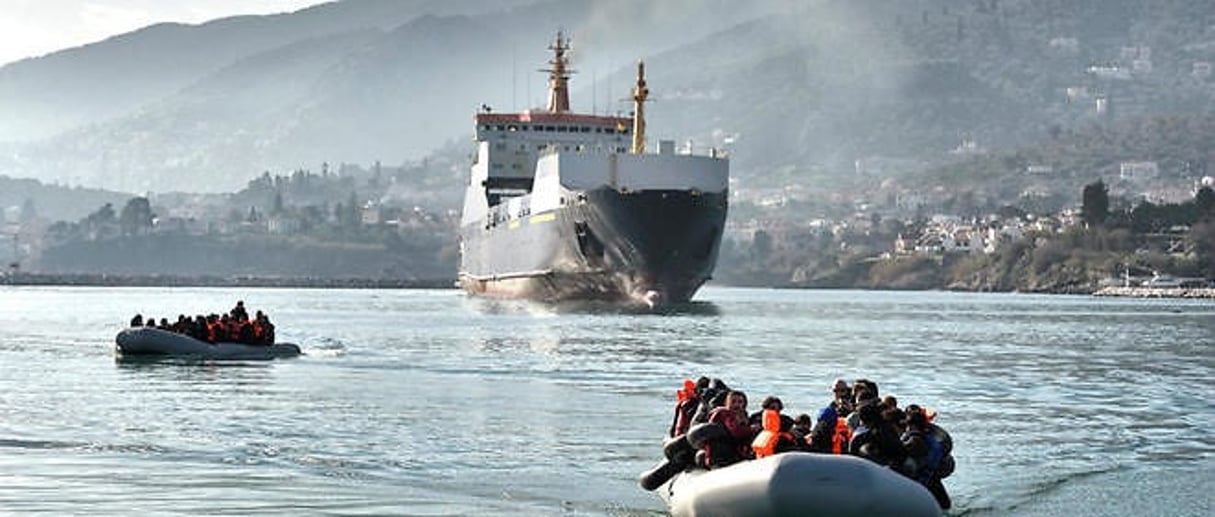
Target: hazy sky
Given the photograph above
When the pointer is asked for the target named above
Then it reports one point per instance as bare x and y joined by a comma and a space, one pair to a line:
35, 27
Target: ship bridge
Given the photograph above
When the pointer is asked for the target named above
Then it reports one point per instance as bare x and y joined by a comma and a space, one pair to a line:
510, 144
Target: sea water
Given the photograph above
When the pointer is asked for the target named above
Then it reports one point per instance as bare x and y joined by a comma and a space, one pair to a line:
428, 402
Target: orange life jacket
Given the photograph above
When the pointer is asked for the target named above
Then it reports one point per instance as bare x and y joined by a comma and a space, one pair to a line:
687, 393
841, 436
766, 441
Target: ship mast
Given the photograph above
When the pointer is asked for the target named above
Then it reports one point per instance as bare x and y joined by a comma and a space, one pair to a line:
640, 94
559, 76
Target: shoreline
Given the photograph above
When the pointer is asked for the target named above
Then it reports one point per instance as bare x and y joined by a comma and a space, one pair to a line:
312, 282
1158, 292
133, 280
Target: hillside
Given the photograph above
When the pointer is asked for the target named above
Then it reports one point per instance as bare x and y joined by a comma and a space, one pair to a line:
43, 96
51, 202
802, 93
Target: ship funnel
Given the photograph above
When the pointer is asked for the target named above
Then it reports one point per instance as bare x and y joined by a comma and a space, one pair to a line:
640, 94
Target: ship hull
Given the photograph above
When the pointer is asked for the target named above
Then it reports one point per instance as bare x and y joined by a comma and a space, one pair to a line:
653, 246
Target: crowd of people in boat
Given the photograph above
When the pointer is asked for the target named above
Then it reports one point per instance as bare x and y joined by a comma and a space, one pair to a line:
234, 326
713, 420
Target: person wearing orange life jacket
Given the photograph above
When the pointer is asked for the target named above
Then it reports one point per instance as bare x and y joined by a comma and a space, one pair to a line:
687, 401
772, 439
829, 434
770, 402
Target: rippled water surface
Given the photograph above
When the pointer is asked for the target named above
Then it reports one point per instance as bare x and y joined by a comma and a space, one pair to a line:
432, 403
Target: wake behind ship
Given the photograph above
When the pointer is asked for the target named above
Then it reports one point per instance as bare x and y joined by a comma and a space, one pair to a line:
565, 206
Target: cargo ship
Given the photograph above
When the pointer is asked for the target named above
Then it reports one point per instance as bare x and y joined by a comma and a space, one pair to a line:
571, 206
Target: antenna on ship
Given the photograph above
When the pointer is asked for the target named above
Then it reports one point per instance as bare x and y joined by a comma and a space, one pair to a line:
640, 94
559, 76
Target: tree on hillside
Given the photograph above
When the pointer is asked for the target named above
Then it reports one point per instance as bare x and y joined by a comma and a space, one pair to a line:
136, 216
102, 223
1096, 207
1205, 201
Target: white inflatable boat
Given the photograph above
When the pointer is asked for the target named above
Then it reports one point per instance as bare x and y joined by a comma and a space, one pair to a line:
797, 484
149, 342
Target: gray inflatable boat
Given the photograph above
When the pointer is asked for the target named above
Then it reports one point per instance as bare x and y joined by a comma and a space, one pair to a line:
153, 342
797, 484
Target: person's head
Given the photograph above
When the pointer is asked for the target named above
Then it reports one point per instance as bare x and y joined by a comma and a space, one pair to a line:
802, 421
869, 386
889, 402
736, 401
895, 417
841, 390
771, 402
240, 303
916, 420
870, 415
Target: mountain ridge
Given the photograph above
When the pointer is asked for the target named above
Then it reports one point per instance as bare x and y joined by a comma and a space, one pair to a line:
809, 90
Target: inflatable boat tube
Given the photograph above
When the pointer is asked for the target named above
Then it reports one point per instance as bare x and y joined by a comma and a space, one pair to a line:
797, 483
153, 342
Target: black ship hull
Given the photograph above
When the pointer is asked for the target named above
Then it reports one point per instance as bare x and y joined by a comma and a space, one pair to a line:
653, 246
